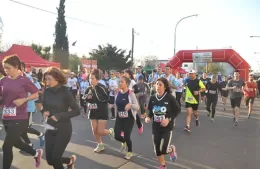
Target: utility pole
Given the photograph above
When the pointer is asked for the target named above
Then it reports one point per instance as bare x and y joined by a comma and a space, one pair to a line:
133, 42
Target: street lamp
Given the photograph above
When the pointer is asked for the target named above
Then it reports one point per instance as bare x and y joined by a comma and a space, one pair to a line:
177, 26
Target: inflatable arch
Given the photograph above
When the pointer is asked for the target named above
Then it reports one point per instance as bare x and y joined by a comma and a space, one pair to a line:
217, 55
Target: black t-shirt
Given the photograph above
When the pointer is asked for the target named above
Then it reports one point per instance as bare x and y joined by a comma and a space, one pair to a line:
205, 81
223, 84
162, 108
212, 89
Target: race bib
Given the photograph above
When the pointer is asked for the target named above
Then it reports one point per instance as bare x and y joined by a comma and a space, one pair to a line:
237, 90
9, 112
212, 91
190, 99
92, 106
158, 119
250, 89
123, 114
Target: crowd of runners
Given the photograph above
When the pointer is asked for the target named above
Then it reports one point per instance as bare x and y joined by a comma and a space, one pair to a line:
129, 98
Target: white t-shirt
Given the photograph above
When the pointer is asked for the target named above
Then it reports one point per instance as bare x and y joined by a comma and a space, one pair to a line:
112, 85
72, 82
83, 86
132, 83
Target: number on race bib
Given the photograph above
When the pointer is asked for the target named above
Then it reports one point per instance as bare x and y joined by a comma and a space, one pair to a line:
9, 112
190, 98
93, 106
212, 92
250, 89
159, 119
123, 114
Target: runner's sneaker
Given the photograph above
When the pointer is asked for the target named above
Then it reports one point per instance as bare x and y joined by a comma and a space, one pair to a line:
187, 128
162, 167
197, 122
123, 147
128, 155
99, 148
173, 154
38, 158
141, 129
72, 162
236, 123
208, 113
212, 119
23, 152
42, 140
248, 116
111, 133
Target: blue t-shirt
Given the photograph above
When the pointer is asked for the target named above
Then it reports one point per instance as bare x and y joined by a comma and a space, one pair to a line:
121, 101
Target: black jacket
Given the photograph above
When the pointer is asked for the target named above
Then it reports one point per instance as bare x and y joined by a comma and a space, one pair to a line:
58, 101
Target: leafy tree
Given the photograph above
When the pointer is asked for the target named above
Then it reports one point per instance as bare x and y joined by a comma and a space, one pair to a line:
44, 52
214, 68
61, 44
74, 61
111, 58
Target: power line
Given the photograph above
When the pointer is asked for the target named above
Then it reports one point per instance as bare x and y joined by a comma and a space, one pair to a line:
69, 17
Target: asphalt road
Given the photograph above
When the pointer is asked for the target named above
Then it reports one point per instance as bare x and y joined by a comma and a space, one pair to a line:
218, 145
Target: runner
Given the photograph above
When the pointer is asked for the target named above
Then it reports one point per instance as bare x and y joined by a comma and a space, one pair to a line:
250, 93
171, 79
163, 109
212, 89
59, 106
126, 107
134, 87
224, 92
113, 88
143, 96
15, 89
97, 97
194, 87
179, 87
84, 84
236, 86
204, 80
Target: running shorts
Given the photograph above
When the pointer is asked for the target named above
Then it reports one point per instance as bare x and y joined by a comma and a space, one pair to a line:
235, 102
161, 142
193, 106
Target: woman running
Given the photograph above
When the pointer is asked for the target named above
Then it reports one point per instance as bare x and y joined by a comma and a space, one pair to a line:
113, 88
178, 82
212, 89
14, 90
163, 109
134, 87
97, 97
57, 100
84, 84
126, 107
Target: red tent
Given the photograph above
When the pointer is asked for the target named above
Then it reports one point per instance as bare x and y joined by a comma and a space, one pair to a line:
28, 56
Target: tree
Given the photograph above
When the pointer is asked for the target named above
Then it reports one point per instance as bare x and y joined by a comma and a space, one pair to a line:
111, 58
61, 44
74, 61
44, 52
150, 60
214, 68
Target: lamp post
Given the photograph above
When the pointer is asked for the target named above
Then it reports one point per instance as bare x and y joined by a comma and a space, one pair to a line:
177, 26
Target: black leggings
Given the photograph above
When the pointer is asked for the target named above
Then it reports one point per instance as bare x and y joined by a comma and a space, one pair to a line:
56, 142
83, 104
112, 101
24, 135
178, 97
161, 142
138, 121
212, 102
126, 126
13, 129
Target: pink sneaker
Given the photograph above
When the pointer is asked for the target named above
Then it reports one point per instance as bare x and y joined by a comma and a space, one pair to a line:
38, 158
122, 134
141, 129
162, 167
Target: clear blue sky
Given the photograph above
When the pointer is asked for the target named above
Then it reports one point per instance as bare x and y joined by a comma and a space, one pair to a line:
220, 24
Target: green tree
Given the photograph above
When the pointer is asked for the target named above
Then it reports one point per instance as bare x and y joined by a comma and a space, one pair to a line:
214, 68
74, 61
44, 52
61, 44
111, 58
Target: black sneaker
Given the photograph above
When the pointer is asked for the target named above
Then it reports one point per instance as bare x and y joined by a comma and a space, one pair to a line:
187, 128
197, 122
248, 116
72, 165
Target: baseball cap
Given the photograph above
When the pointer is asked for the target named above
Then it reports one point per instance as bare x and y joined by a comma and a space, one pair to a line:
192, 71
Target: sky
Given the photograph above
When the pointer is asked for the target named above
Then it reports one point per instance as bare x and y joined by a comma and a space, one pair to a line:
220, 24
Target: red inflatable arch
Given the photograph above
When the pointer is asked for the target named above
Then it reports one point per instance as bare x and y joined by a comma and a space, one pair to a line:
218, 55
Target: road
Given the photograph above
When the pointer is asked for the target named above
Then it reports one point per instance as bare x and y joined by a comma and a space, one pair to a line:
218, 145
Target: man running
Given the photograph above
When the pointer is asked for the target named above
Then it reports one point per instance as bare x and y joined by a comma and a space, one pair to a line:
224, 92
236, 86
250, 93
194, 87
204, 80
